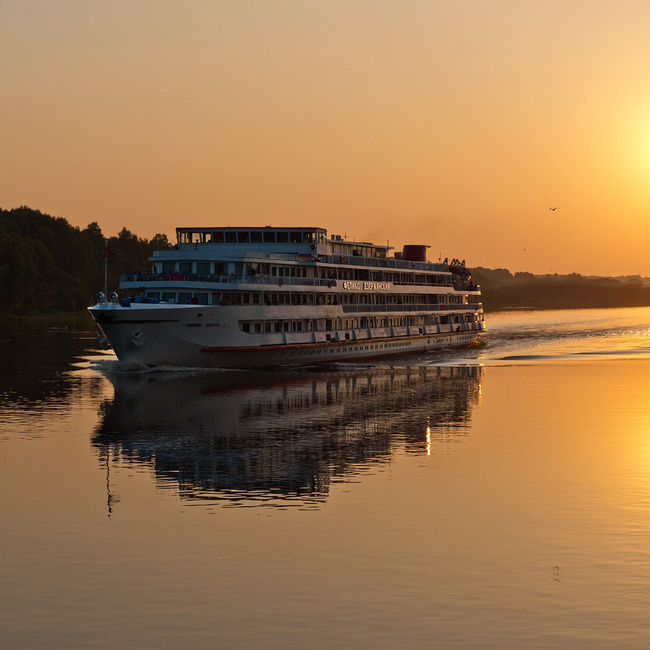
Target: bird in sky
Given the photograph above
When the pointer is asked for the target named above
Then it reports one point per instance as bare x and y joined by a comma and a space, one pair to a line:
554, 209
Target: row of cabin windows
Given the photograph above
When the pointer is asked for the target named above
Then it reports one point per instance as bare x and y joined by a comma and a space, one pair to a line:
325, 273
222, 268
333, 324
289, 271
305, 298
251, 237
357, 250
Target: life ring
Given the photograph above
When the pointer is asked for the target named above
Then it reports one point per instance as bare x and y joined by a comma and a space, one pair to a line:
280, 282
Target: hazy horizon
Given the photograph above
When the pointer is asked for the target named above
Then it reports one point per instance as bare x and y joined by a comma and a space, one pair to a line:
457, 125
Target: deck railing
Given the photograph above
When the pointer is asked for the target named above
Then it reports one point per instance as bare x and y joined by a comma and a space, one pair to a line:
279, 281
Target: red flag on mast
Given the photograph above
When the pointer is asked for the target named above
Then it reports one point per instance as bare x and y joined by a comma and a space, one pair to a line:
107, 252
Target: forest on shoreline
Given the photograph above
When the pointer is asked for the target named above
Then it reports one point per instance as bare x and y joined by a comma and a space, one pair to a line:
502, 289
48, 267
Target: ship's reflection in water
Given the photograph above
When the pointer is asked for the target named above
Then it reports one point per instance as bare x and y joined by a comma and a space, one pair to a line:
249, 439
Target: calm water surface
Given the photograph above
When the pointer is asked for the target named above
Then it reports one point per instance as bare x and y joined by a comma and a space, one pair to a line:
494, 497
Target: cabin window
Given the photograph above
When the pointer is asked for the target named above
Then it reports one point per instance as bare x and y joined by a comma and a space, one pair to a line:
246, 298
201, 298
217, 237
231, 237
256, 237
168, 296
267, 327
282, 237
168, 267
269, 237
296, 237
285, 325
195, 237
277, 326
308, 237
185, 267
203, 267
246, 327
184, 298
243, 237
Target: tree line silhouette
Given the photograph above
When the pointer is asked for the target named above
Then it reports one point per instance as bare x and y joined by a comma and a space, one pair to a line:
48, 266
501, 289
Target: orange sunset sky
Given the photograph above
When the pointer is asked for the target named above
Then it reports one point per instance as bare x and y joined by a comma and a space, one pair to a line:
452, 123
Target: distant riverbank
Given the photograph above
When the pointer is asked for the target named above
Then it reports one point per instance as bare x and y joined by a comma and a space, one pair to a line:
503, 290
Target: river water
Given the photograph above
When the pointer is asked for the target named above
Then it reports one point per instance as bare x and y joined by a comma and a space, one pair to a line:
493, 497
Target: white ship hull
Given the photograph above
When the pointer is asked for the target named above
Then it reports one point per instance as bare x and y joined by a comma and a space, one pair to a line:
207, 337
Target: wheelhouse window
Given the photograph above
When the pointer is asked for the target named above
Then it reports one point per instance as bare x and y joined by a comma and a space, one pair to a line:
243, 237
269, 237
231, 237
282, 237
256, 237
295, 237
217, 237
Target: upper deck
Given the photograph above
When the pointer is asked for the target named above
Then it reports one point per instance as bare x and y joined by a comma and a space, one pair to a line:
309, 246
296, 240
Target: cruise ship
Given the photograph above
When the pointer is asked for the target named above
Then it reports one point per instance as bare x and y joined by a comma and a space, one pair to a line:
246, 297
